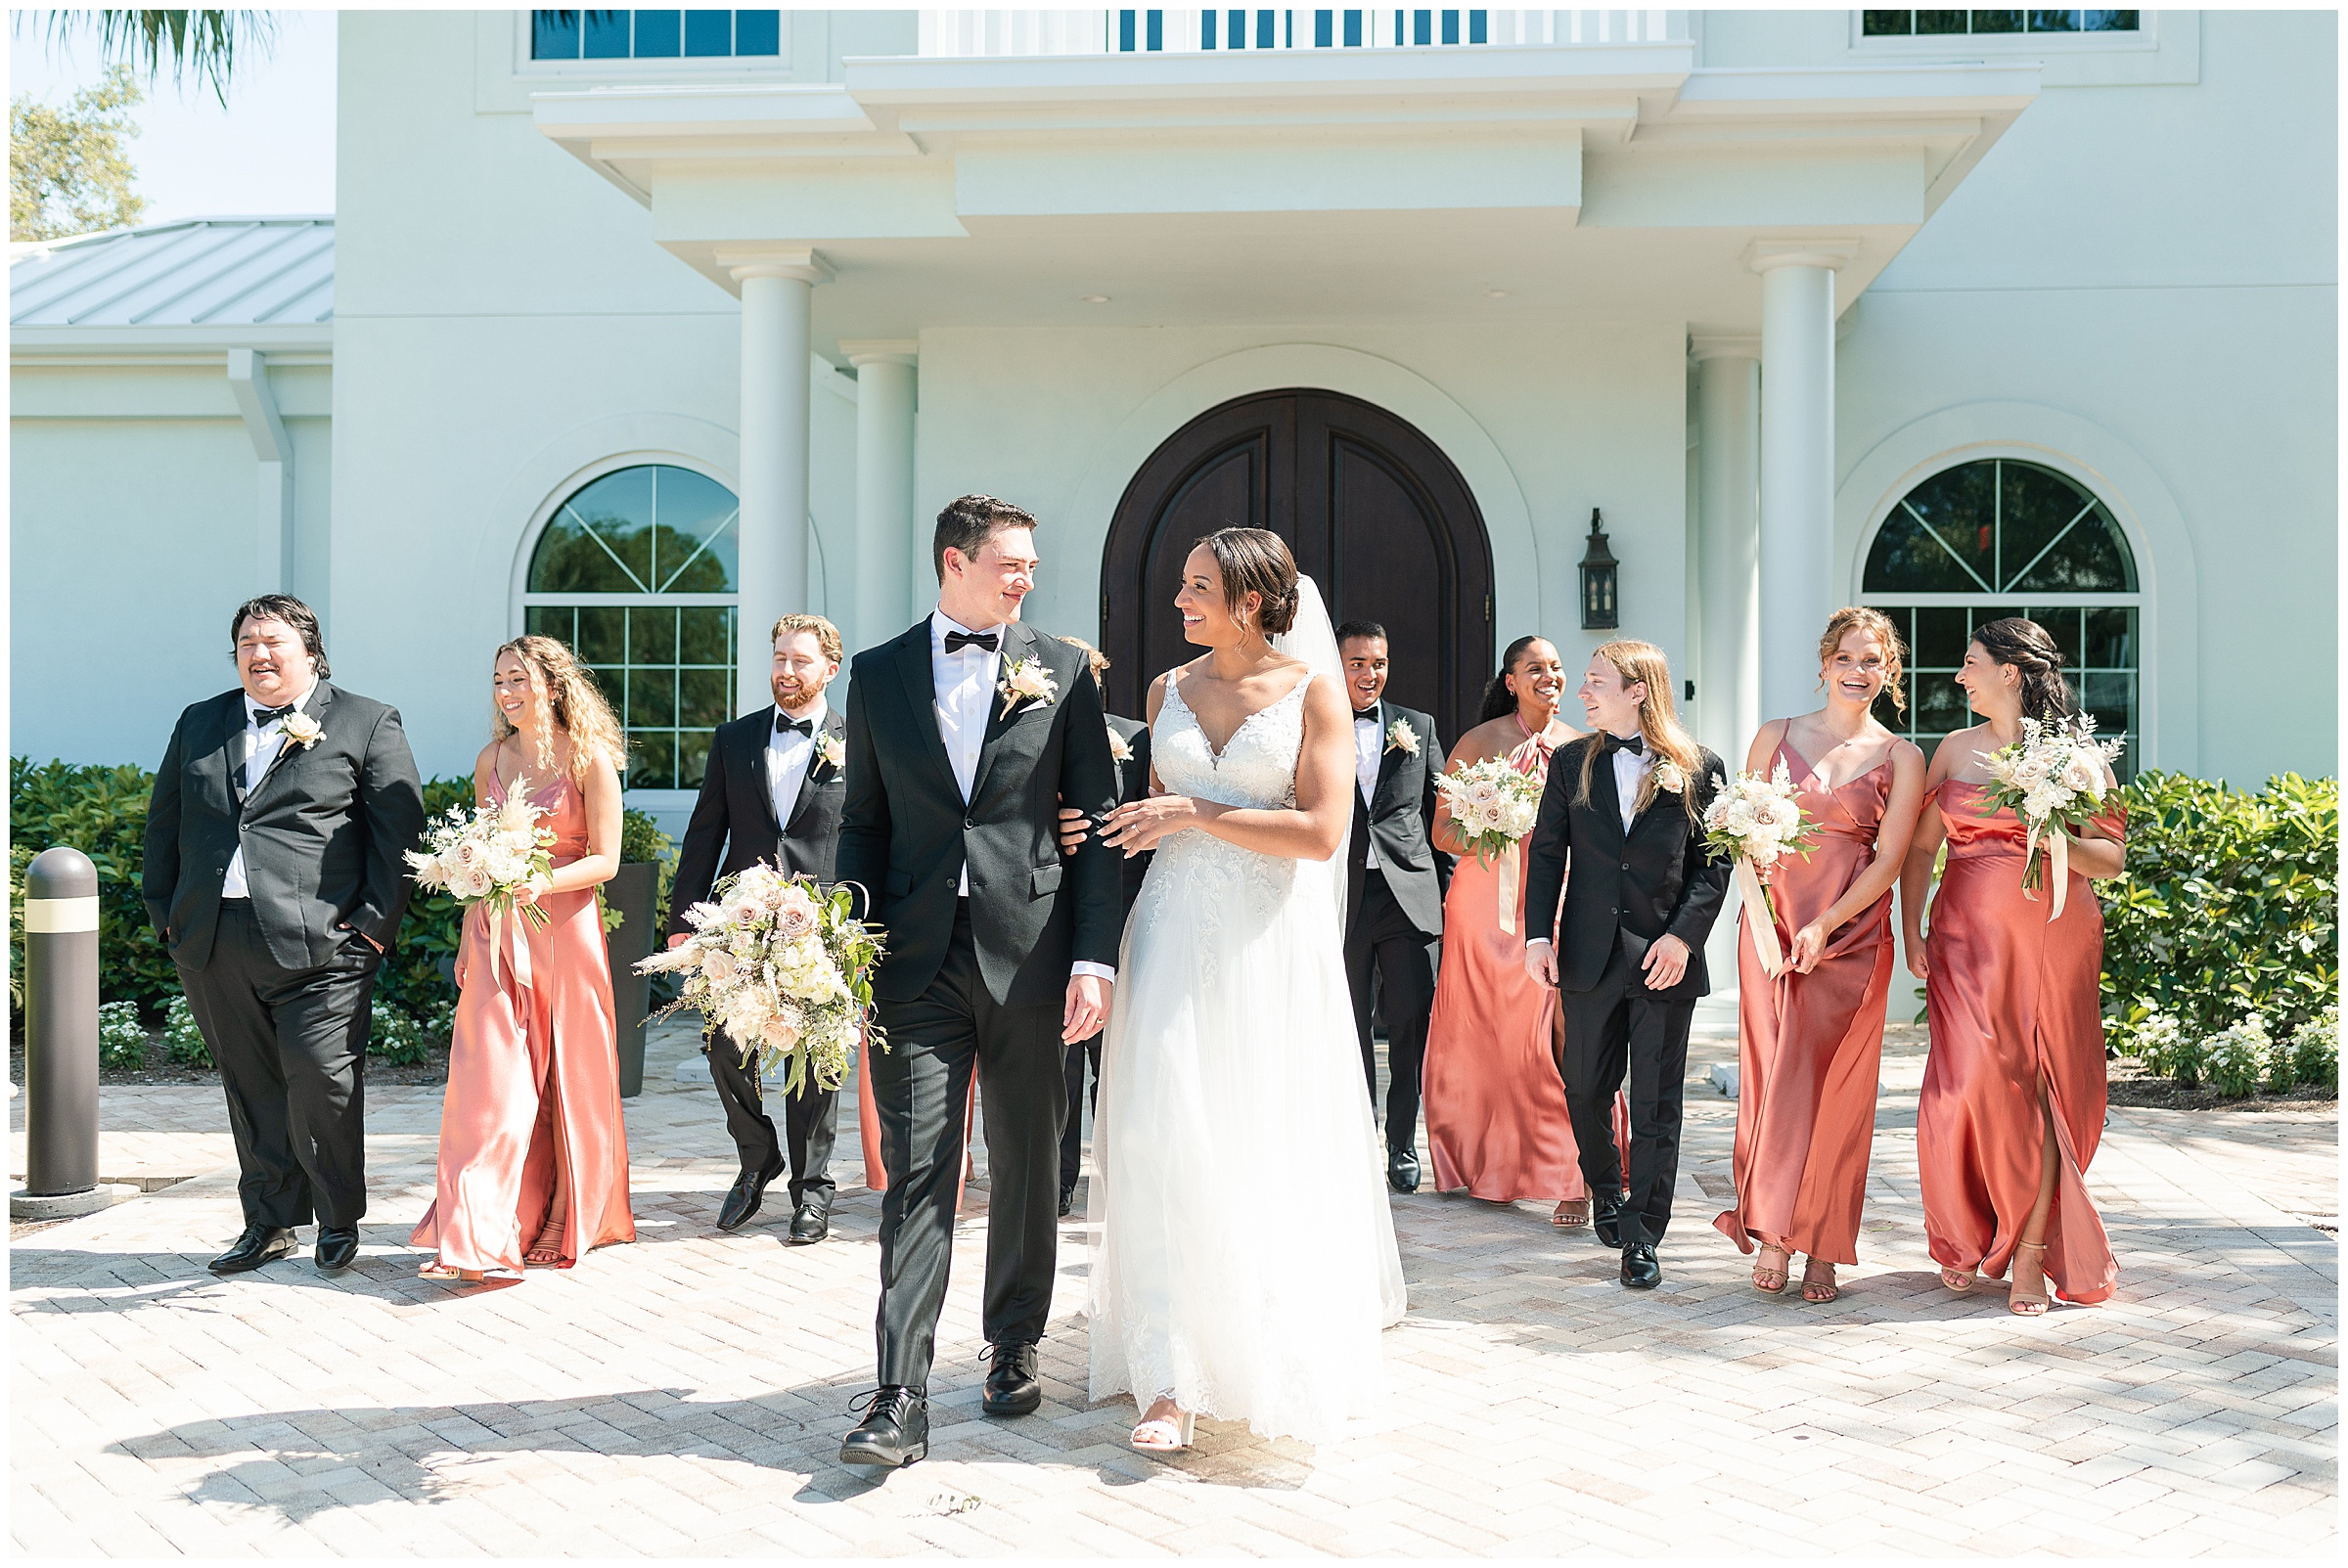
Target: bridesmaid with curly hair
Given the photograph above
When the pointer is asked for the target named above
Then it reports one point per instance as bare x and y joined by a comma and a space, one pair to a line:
533, 1153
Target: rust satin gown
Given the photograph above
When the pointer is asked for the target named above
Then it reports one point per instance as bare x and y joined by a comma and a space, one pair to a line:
2012, 998
1810, 1047
533, 1077
1496, 1116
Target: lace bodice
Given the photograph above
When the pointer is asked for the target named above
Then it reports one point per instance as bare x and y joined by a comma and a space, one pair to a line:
1258, 763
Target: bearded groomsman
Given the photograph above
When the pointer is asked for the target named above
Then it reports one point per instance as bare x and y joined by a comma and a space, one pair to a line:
772, 791
1394, 887
274, 873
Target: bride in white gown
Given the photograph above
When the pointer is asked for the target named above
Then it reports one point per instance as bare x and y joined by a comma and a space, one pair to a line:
1244, 1262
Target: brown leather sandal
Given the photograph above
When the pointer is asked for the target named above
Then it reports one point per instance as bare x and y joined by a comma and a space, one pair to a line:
1772, 1281
547, 1250
1818, 1281
1570, 1212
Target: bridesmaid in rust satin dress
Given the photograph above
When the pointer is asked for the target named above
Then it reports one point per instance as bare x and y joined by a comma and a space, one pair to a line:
1496, 1116
2013, 1096
1810, 1038
533, 1150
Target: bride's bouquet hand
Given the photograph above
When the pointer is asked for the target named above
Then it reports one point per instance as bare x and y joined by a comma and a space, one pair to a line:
1137, 825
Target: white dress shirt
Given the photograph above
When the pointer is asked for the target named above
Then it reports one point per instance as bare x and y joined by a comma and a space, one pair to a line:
262, 743
789, 756
1630, 771
1369, 748
964, 686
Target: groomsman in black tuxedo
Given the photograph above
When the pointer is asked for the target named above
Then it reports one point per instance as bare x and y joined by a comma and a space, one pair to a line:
1394, 887
1129, 747
772, 792
967, 734
1621, 836
274, 873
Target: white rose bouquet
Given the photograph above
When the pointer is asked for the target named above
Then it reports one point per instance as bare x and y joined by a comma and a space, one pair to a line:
1492, 807
783, 968
1757, 822
485, 855
2053, 779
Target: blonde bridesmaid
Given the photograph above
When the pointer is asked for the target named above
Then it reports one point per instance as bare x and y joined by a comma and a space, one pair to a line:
1810, 1038
2013, 1096
533, 1153
1496, 1117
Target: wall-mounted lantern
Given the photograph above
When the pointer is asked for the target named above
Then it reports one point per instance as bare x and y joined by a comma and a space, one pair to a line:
1601, 602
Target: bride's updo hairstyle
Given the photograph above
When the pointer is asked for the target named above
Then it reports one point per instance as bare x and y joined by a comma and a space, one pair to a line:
2027, 646
1256, 561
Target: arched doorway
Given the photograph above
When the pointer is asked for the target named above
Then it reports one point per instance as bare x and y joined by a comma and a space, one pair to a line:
1375, 512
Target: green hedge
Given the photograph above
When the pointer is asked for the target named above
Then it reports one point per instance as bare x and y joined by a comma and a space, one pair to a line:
101, 811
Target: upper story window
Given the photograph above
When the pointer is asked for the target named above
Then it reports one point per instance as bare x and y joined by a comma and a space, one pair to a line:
654, 34
1936, 24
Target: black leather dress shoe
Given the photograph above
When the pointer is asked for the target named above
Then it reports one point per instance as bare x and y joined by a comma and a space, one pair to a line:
259, 1245
1640, 1269
337, 1250
894, 1432
810, 1223
1067, 1201
1605, 1219
744, 1196
1402, 1171
1011, 1386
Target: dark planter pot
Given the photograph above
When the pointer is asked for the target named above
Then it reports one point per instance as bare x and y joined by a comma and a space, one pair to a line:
631, 891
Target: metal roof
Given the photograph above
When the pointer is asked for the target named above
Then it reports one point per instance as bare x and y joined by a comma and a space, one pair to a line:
200, 272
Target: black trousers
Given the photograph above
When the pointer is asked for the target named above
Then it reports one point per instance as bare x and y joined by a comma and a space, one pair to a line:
810, 1121
920, 1086
1615, 1030
1071, 1141
1385, 951
291, 1047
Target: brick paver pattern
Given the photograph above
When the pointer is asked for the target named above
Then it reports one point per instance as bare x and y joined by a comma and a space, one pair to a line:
687, 1394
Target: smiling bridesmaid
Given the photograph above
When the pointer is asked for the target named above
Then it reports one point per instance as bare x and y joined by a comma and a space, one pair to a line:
1810, 1038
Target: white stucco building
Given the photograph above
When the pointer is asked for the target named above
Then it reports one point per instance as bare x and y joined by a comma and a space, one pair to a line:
644, 330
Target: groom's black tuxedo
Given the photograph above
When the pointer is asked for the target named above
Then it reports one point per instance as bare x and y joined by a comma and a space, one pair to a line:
974, 984
278, 985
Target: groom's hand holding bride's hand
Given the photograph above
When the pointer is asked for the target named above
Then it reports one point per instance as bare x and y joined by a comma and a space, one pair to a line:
1139, 825
1087, 1010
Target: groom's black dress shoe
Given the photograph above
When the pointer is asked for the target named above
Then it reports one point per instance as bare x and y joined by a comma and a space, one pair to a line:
1067, 1201
809, 1224
337, 1250
1605, 1219
744, 1196
1402, 1171
1011, 1386
259, 1245
893, 1433
1640, 1269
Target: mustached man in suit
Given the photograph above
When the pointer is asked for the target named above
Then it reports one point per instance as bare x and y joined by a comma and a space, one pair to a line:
772, 792
1621, 838
1395, 888
274, 873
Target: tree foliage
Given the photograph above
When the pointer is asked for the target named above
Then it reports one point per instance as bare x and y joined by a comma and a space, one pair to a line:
68, 166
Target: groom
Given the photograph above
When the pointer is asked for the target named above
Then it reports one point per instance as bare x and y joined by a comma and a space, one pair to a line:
964, 735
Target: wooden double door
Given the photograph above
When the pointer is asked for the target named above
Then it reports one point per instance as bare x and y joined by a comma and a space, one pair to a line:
1375, 512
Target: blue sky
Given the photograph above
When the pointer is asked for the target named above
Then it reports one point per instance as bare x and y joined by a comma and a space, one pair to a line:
271, 151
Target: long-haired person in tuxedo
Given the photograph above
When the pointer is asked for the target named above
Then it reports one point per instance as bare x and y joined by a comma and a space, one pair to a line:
1621, 838
2012, 1103
533, 1153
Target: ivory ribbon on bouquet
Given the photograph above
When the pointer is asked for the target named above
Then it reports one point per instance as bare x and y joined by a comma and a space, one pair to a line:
1509, 868
519, 959
2058, 865
1760, 920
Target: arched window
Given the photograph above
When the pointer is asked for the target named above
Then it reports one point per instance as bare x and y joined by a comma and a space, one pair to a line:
1999, 537
636, 571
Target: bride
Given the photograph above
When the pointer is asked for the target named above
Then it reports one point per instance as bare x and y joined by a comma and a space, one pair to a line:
1245, 1262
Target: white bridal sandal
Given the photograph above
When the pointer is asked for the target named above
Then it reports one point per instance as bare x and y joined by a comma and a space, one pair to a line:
1166, 1434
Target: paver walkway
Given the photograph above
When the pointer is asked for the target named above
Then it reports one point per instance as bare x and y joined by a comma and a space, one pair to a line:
687, 1394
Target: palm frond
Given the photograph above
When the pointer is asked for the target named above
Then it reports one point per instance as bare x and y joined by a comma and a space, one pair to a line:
197, 45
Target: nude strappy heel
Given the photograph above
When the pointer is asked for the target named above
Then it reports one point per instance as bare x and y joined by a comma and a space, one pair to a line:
2030, 1303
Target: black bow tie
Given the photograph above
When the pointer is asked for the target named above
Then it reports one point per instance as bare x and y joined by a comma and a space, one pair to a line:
264, 717
956, 642
784, 721
1360, 714
1635, 744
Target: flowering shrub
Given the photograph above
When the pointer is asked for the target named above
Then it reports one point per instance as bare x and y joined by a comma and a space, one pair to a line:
121, 1038
183, 1042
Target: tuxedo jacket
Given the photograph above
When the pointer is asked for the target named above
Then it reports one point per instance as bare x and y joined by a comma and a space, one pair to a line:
1396, 823
1133, 784
323, 832
1655, 880
733, 827
906, 833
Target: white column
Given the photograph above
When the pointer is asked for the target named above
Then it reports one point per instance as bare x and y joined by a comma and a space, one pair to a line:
889, 548
273, 553
1728, 400
772, 568
1797, 463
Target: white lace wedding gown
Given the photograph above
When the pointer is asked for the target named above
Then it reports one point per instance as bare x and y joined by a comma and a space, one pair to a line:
1243, 1258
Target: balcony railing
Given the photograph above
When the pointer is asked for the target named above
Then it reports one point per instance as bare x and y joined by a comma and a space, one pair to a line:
1188, 31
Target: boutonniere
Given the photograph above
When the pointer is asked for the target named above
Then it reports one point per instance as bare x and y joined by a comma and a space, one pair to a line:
1400, 737
1118, 749
1024, 681
830, 750
300, 730
1669, 778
